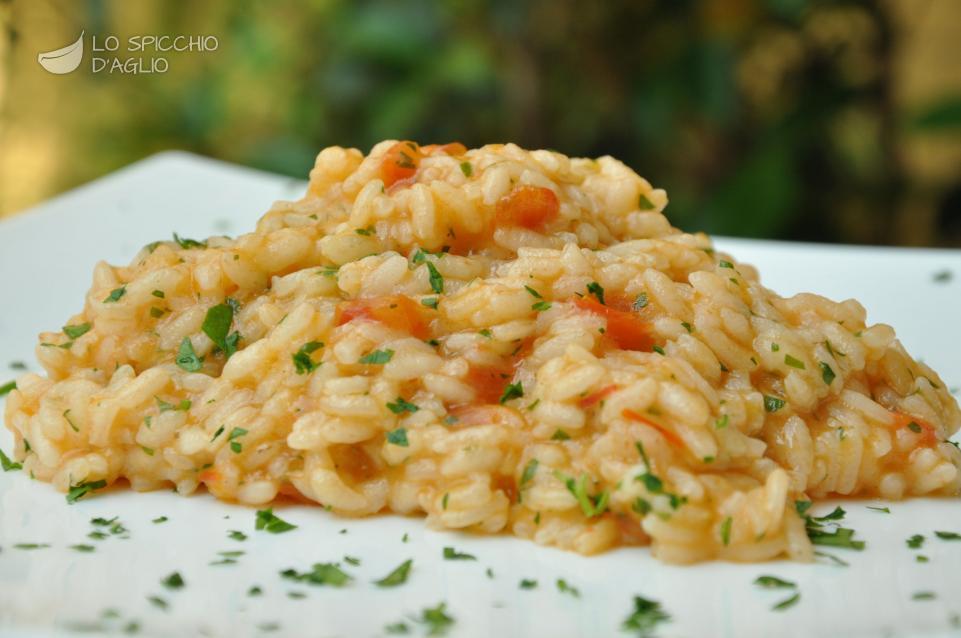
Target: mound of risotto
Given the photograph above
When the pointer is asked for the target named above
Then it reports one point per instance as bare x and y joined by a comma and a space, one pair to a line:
505, 340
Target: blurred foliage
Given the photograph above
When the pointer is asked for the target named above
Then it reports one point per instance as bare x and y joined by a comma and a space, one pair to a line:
765, 118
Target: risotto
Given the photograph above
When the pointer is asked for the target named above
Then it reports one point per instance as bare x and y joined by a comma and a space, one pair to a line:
503, 340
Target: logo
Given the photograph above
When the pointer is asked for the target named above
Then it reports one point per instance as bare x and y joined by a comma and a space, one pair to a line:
65, 60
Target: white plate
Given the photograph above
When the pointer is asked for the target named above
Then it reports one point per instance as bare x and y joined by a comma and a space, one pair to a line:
46, 260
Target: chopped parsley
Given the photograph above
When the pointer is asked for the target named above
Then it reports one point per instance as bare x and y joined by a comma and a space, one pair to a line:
187, 359
533, 292
948, 536
924, 595
883, 510
7, 388
591, 505
793, 362
396, 577
565, 588
652, 484
77, 331
451, 554
916, 541
320, 574
80, 490
721, 423
726, 531
31, 546
219, 431
647, 615
512, 391
397, 628
85, 549
255, 591
541, 306
772, 404
942, 276
827, 374
7, 464
560, 435
269, 522
217, 326
436, 620
235, 445
435, 278
399, 406
366, 232
115, 295
644, 203
658, 349
158, 602
773, 582
187, 244
430, 302
159, 294
725, 264
841, 537
183, 406
775, 347
173, 581
236, 535
597, 290
160, 519
398, 437
302, 361
351, 560
787, 602
466, 169
528, 583
377, 357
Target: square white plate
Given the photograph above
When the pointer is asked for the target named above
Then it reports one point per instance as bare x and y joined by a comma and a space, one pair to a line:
46, 260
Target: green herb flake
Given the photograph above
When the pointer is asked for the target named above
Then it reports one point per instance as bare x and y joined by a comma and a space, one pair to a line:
398, 437
365, 232
725, 264
726, 531
644, 203
236, 535
115, 295
914, 427
528, 583
773, 582
397, 628
541, 306
217, 324
436, 620
591, 505
647, 615
80, 490
398, 576
173, 581
31, 546
827, 374
721, 423
948, 536
528, 474
158, 602
787, 602
466, 169
924, 595
187, 244
399, 406
320, 574
597, 290
916, 541
920, 558
565, 588
430, 302
435, 278
560, 435
159, 520
883, 510
512, 391
7, 464
269, 522
451, 554
302, 361
187, 359
377, 357
772, 404
793, 362
76, 331
255, 591
659, 350
159, 294
156, 313
83, 549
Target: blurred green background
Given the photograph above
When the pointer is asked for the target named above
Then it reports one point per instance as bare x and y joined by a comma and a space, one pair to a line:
798, 119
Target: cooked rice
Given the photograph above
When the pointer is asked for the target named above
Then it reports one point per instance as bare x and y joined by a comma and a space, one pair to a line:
730, 462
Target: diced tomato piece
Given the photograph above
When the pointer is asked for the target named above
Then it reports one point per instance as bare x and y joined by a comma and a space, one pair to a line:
400, 162
532, 207
625, 328
929, 436
670, 435
397, 312
452, 149
489, 382
597, 397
